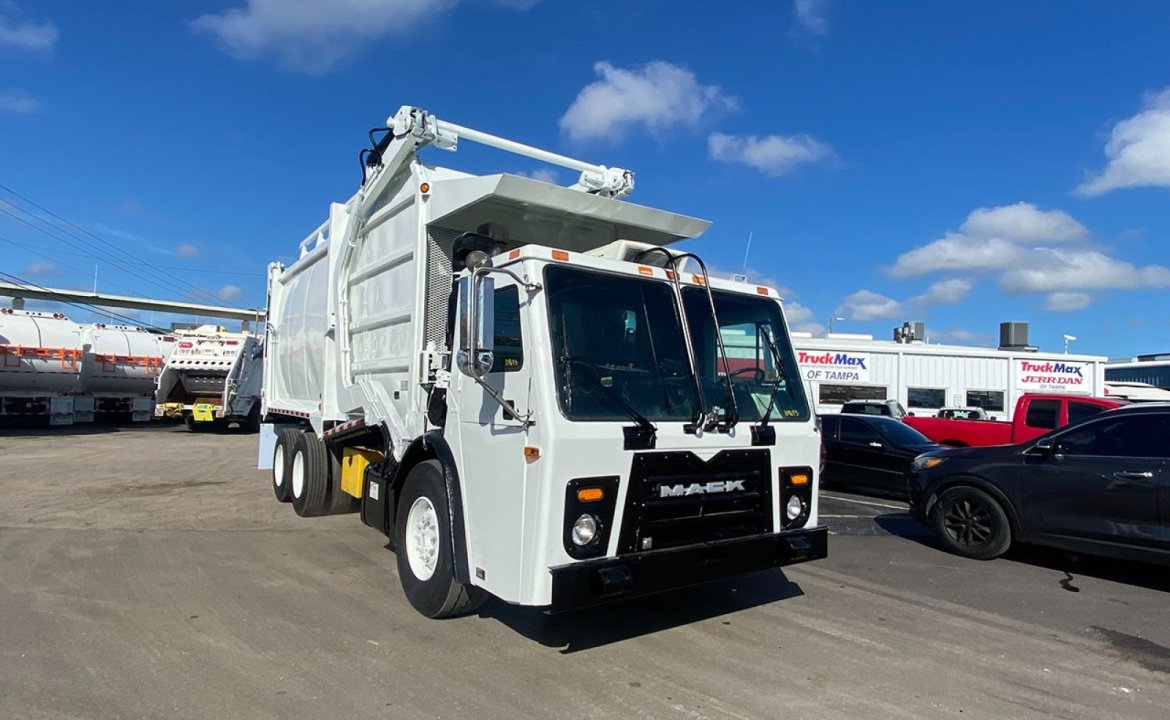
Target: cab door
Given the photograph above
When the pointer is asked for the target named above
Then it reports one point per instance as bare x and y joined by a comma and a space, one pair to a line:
489, 444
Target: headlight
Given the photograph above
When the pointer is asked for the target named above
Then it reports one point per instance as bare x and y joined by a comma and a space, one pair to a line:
584, 530
794, 508
926, 462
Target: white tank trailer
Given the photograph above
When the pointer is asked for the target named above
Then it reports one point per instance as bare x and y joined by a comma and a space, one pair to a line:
211, 379
526, 390
52, 366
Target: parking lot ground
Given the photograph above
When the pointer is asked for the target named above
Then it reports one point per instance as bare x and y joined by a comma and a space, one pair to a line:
148, 572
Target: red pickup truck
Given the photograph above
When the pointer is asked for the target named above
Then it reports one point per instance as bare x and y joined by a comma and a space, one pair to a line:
1034, 416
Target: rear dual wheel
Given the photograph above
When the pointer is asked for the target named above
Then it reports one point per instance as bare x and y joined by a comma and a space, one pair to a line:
282, 463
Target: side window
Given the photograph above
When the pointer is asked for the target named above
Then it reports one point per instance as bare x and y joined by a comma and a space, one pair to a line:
1078, 411
856, 432
1143, 435
509, 351
1043, 414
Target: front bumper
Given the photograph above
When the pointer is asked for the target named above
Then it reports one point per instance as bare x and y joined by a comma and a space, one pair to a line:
592, 582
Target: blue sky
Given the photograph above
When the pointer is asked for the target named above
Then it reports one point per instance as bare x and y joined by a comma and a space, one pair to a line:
958, 163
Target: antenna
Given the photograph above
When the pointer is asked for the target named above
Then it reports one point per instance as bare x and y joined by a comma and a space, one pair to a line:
746, 251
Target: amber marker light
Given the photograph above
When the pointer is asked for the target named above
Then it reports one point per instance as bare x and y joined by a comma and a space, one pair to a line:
560, 255
590, 494
799, 479
531, 454
424, 188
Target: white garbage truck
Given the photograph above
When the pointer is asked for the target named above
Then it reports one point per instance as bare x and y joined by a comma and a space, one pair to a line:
211, 379
527, 391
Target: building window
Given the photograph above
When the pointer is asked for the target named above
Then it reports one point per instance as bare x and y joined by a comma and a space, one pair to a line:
926, 397
840, 394
989, 400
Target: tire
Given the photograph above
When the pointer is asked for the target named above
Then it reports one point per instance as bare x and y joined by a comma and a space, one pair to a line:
309, 475
196, 427
970, 523
282, 463
423, 529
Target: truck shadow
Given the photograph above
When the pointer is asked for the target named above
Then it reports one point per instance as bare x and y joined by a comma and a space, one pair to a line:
603, 625
19, 427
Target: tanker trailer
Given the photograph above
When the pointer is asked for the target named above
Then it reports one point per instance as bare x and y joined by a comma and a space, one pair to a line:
118, 371
40, 363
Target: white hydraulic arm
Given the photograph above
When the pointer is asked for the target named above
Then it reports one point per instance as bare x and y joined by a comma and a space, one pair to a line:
412, 128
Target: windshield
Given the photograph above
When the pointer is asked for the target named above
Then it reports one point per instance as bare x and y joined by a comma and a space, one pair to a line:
751, 327
901, 434
617, 344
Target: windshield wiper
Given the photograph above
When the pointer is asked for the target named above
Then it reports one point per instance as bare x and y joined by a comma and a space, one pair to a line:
630, 410
761, 433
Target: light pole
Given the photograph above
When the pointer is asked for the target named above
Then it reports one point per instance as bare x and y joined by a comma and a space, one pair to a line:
1067, 340
831, 323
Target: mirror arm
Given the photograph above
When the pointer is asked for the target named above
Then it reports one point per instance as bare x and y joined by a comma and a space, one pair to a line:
529, 286
524, 418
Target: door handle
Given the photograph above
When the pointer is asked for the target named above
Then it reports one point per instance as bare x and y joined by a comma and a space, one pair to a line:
1134, 475
875, 445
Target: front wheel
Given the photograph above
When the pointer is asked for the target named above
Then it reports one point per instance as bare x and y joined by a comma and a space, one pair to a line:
422, 537
969, 522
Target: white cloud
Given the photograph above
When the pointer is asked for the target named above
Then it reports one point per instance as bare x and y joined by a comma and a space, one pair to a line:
229, 293
40, 268
811, 15
542, 174
865, 305
655, 97
18, 102
187, 250
309, 35
772, 154
1052, 270
24, 34
1066, 301
1138, 150
957, 252
797, 314
1023, 222
944, 292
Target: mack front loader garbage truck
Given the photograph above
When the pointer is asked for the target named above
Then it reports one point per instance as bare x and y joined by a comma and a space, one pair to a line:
526, 389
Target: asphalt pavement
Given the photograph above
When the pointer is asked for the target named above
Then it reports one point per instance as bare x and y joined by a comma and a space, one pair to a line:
149, 573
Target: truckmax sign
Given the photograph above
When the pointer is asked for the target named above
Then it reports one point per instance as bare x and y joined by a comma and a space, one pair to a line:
833, 365
1053, 376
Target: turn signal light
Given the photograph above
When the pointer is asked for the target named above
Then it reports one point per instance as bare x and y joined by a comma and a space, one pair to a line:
531, 454
424, 188
799, 479
590, 494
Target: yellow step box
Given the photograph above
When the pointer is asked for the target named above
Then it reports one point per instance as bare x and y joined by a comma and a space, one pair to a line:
354, 461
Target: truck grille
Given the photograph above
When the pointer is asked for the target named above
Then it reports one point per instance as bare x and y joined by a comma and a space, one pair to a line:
728, 496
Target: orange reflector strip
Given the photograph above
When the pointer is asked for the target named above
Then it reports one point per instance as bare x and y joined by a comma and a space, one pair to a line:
697, 279
761, 290
799, 479
643, 270
531, 454
560, 255
424, 188
590, 494
514, 254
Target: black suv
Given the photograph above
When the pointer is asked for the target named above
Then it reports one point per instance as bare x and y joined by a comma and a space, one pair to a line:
1099, 486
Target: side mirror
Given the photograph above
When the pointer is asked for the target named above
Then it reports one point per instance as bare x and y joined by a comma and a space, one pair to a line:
477, 313
1044, 447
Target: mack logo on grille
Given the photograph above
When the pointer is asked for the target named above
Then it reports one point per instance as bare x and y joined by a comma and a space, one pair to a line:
711, 488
